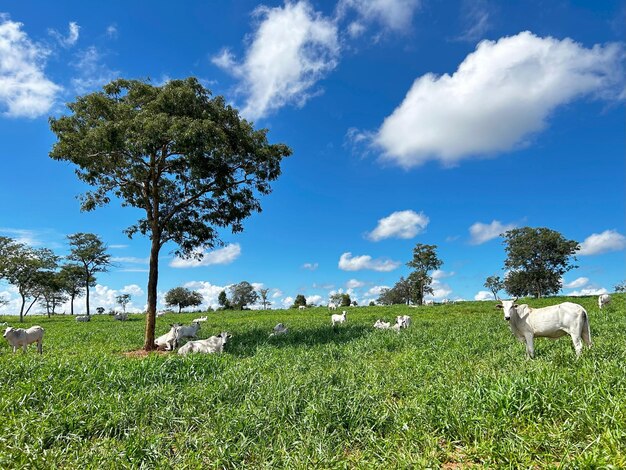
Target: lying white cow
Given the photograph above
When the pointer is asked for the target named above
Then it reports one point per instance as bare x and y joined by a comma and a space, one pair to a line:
548, 322
279, 329
603, 300
189, 331
198, 320
382, 325
120, 316
168, 341
214, 344
404, 321
83, 318
20, 337
336, 318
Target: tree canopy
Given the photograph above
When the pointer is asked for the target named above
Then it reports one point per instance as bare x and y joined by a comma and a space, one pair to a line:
186, 159
424, 260
183, 298
495, 285
242, 294
536, 259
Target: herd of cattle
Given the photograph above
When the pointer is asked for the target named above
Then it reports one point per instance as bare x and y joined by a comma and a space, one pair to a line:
525, 322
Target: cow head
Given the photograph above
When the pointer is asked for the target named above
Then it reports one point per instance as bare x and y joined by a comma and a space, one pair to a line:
507, 306
7, 331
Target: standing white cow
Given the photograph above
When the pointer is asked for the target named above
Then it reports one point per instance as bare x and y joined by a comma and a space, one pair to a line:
548, 322
335, 318
20, 337
603, 300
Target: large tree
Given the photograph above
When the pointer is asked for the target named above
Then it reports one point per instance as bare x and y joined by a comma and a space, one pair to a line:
90, 253
27, 269
299, 301
242, 294
536, 260
183, 298
424, 260
187, 160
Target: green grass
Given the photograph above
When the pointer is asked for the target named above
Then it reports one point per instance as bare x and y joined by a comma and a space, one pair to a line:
453, 389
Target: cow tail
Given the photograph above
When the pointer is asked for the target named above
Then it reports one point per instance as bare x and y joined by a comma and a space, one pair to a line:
586, 333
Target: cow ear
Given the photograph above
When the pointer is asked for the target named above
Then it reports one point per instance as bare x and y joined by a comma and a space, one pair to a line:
499, 306
515, 305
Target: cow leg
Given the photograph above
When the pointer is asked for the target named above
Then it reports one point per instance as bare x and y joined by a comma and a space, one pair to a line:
14, 349
25, 347
578, 344
530, 346
40, 346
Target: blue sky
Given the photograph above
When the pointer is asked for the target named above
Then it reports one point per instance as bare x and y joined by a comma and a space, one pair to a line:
411, 121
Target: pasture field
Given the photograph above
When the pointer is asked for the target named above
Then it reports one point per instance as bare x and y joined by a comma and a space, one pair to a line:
452, 391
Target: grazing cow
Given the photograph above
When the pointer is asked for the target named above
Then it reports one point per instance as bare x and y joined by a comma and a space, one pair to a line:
279, 329
381, 325
603, 300
198, 320
336, 318
83, 318
120, 316
549, 322
445, 301
332, 306
168, 341
20, 337
189, 331
214, 344
404, 321
160, 314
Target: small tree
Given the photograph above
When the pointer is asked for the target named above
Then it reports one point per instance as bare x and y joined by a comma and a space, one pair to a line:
88, 251
53, 292
424, 260
494, 284
345, 300
537, 259
25, 268
263, 293
621, 287
73, 280
183, 298
187, 160
222, 299
300, 301
122, 300
336, 298
242, 294
100, 310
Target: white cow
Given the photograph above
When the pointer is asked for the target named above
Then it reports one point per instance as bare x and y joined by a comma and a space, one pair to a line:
445, 301
429, 302
20, 337
603, 300
332, 306
198, 320
83, 318
189, 331
168, 341
404, 321
381, 325
301, 307
549, 322
120, 316
336, 318
279, 329
214, 344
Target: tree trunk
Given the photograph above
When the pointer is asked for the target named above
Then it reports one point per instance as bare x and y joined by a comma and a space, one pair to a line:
153, 278
22, 308
72, 306
87, 292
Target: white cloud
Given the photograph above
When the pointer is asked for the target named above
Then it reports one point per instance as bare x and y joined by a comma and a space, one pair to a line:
310, 266
401, 224
482, 233
287, 302
225, 255
500, 95
209, 291
484, 295
277, 293
440, 290
354, 284
349, 263
315, 300
598, 243
132, 289
588, 291
118, 247
577, 283
375, 291
111, 31
440, 274
93, 73
24, 89
72, 35
475, 19
390, 14
292, 49
129, 259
